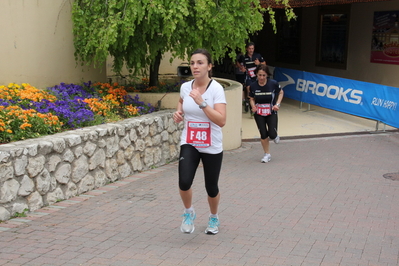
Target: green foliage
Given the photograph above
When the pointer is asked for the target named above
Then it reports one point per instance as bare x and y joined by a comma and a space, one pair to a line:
289, 13
162, 87
20, 214
135, 32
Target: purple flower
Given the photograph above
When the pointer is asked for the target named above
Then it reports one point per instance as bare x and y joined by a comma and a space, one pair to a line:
141, 106
71, 91
4, 103
70, 108
72, 112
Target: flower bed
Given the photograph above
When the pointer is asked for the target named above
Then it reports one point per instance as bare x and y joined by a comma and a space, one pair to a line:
28, 112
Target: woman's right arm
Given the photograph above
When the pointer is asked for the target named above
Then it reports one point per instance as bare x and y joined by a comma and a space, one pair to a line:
252, 101
253, 105
178, 115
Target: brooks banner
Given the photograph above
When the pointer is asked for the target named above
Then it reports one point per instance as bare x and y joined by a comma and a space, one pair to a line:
358, 98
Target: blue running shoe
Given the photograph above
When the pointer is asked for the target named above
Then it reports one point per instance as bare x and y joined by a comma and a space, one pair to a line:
212, 228
187, 225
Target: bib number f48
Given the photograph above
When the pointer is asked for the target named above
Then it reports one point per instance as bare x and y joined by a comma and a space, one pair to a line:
199, 134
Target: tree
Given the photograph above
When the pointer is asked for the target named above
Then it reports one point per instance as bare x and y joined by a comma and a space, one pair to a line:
136, 33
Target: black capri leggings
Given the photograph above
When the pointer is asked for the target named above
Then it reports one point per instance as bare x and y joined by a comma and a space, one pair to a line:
188, 164
267, 125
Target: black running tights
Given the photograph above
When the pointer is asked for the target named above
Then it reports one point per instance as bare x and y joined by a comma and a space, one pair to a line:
267, 125
188, 163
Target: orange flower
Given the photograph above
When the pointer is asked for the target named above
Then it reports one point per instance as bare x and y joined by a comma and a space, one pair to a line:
25, 125
132, 110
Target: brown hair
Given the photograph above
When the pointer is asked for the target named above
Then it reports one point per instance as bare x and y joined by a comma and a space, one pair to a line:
264, 68
208, 57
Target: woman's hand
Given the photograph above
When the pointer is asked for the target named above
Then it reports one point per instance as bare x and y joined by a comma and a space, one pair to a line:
178, 116
196, 95
275, 108
254, 109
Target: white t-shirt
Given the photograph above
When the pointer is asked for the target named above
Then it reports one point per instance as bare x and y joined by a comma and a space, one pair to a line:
192, 113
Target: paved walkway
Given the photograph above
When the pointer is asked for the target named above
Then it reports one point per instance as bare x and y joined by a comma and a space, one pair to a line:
320, 201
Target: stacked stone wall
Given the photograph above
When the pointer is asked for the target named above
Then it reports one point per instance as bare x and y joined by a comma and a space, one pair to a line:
39, 172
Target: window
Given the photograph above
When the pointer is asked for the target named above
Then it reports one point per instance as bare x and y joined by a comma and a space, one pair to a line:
332, 48
288, 38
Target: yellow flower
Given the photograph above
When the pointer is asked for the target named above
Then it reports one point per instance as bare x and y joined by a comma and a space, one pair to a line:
13, 85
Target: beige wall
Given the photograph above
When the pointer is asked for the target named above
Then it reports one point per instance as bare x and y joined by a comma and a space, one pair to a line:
359, 65
166, 68
360, 33
37, 44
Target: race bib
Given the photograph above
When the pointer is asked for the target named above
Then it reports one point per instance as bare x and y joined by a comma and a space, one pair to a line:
264, 109
199, 134
251, 72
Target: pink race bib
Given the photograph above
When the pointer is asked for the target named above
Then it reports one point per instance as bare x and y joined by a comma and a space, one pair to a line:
199, 134
264, 109
251, 72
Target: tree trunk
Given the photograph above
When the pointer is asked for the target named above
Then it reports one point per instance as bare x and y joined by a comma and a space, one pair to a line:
154, 70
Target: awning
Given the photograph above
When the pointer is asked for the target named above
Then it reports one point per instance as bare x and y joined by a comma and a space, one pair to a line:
310, 3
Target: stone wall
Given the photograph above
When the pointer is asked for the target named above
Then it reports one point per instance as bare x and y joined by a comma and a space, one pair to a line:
39, 172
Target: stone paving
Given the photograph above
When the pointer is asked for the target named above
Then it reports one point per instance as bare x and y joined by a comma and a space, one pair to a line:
320, 201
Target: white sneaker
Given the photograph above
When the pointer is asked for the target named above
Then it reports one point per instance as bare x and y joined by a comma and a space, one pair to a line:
187, 225
266, 158
212, 228
277, 140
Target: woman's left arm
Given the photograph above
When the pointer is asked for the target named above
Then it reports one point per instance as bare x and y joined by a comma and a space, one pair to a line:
217, 114
276, 107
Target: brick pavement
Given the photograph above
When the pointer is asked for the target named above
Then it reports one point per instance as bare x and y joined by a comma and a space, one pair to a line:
320, 201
